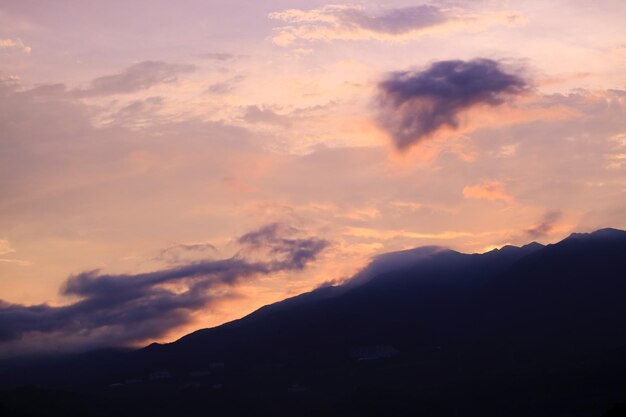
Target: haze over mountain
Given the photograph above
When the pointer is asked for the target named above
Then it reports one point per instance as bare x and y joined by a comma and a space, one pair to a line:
518, 331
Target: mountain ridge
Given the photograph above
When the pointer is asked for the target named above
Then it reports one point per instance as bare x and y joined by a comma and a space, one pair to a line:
518, 331
422, 253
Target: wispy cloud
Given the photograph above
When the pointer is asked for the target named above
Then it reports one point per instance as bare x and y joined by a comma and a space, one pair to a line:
18, 262
5, 247
350, 22
186, 252
545, 225
16, 44
137, 77
256, 114
491, 190
391, 234
226, 86
218, 56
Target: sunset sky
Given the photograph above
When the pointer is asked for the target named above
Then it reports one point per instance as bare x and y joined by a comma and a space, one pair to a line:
167, 166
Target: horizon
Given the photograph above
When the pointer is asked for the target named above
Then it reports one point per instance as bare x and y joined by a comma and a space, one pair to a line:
171, 167
399, 259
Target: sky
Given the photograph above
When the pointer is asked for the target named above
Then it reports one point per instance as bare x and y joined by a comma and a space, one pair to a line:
168, 166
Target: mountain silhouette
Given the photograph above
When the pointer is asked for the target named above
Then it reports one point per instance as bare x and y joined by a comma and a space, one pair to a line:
518, 331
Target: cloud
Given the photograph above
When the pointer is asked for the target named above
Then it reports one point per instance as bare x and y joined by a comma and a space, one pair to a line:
224, 87
256, 114
5, 247
127, 308
17, 262
8, 43
364, 232
545, 226
137, 77
330, 283
348, 22
491, 190
413, 105
386, 262
136, 113
218, 56
291, 253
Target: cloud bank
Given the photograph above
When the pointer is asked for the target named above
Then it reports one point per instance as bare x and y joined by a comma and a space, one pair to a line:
115, 310
413, 105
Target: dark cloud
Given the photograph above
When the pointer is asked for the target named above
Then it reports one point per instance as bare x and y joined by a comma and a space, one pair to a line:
289, 253
414, 105
126, 308
545, 226
137, 77
394, 21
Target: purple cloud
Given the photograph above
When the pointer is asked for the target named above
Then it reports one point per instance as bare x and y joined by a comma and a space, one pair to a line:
119, 309
413, 105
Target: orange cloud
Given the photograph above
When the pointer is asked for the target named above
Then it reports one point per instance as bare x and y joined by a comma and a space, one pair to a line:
491, 190
364, 232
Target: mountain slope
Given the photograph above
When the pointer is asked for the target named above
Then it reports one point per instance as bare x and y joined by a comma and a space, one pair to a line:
442, 298
530, 331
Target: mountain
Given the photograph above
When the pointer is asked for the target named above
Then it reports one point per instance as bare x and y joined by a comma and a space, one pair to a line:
520, 331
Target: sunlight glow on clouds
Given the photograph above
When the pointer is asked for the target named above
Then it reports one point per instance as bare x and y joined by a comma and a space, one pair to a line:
491, 190
18, 44
415, 105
